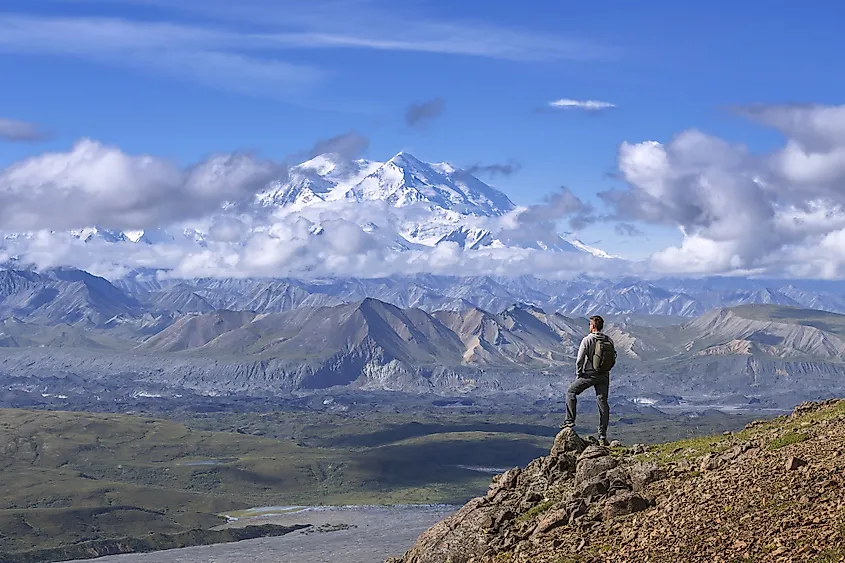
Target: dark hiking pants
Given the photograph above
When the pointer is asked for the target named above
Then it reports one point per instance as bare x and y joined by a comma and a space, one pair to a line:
601, 382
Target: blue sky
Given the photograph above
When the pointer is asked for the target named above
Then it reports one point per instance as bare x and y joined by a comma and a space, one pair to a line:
184, 78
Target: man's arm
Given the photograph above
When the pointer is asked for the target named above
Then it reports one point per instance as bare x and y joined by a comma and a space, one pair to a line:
579, 362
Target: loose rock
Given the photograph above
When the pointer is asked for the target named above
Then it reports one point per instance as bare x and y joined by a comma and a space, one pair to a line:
794, 463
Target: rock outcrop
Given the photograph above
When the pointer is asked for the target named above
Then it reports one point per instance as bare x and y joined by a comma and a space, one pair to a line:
579, 481
773, 492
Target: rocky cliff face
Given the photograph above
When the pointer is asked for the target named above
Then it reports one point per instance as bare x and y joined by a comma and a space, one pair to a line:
773, 492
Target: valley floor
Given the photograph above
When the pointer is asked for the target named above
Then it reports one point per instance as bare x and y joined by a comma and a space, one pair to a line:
347, 535
75, 477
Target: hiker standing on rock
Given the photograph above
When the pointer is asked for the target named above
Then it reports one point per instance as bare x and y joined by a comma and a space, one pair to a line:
596, 357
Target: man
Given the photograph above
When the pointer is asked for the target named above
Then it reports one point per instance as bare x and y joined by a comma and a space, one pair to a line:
596, 357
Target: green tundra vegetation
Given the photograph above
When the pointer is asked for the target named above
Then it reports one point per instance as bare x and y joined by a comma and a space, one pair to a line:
70, 478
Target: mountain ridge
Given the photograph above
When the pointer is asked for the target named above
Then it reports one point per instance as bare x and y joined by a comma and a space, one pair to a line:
771, 353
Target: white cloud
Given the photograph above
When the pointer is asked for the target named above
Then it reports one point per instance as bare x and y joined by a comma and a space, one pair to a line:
738, 212
317, 243
780, 212
380, 25
211, 57
234, 56
587, 105
94, 184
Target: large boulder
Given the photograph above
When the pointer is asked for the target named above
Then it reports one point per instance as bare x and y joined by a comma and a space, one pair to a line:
560, 517
593, 462
594, 488
644, 473
568, 441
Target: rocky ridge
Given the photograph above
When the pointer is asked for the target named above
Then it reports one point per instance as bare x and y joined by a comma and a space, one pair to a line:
773, 492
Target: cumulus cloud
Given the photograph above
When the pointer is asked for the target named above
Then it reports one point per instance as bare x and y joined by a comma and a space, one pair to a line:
226, 228
814, 127
96, 184
739, 211
419, 114
21, 131
205, 220
586, 105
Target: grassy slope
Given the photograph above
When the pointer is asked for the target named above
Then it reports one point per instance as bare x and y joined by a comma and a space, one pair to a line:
787, 431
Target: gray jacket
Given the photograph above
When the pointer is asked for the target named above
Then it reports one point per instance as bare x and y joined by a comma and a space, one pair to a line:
584, 361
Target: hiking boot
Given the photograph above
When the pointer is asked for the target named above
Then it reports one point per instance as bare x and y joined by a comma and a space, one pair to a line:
567, 424
603, 441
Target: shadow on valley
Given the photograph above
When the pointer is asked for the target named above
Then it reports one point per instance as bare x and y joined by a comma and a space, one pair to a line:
447, 459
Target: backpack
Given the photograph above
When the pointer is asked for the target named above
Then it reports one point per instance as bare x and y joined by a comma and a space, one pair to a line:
604, 355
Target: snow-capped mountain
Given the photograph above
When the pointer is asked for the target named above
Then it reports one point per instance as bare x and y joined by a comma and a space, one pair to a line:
335, 217
432, 203
402, 181
426, 204
150, 236
91, 233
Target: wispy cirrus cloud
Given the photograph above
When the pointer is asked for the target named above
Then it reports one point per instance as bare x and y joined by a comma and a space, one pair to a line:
256, 46
207, 56
21, 131
586, 105
379, 25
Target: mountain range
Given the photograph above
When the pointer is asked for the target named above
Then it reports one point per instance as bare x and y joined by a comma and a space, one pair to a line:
75, 334
144, 298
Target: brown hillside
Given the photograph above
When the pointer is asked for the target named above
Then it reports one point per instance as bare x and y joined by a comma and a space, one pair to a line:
773, 492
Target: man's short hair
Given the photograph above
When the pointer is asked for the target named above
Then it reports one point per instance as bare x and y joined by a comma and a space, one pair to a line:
597, 322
